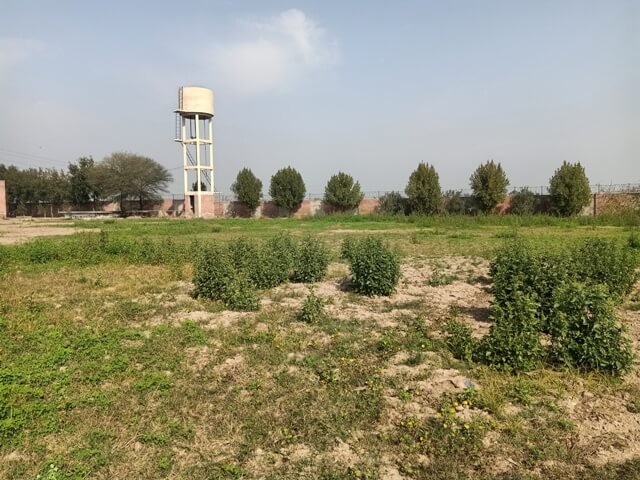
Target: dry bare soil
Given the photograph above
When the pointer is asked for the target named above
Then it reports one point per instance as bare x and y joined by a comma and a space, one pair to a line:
120, 374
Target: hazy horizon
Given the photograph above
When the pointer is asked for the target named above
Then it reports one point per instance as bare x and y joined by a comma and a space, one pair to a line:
368, 88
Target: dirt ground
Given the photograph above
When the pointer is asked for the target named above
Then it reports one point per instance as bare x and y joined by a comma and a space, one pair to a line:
19, 231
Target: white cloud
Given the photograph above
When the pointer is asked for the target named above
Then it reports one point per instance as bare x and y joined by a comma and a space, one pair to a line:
281, 50
16, 50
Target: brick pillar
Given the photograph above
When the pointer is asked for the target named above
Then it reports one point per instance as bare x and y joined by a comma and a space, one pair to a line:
3, 200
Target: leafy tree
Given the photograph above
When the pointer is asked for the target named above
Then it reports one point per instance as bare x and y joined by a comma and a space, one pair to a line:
248, 188
392, 203
287, 188
523, 202
489, 184
423, 190
453, 202
82, 188
342, 193
194, 187
569, 189
124, 175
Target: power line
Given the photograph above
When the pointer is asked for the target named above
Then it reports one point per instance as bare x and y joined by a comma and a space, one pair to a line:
30, 156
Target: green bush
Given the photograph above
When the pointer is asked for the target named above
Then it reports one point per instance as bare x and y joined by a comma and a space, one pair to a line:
393, 203
347, 248
585, 333
517, 268
459, 340
569, 189
513, 342
523, 202
311, 261
423, 190
312, 310
489, 184
634, 240
342, 193
453, 202
287, 188
603, 261
247, 188
239, 293
213, 270
375, 269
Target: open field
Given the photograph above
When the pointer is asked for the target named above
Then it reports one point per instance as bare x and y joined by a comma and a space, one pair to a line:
109, 368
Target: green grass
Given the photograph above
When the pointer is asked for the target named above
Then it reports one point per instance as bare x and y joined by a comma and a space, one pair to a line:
108, 369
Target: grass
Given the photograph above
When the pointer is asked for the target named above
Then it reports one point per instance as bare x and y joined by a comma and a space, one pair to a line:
109, 369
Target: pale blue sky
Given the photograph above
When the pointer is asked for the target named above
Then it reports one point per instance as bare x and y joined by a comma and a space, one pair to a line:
367, 87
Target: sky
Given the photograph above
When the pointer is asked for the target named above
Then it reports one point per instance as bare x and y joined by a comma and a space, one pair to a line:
367, 87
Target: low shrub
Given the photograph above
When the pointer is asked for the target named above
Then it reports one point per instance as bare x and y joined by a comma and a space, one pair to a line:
517, 268
584, 332
283, 248
513, 342
212, 271
240, 294
375, 268
606, 262
634, 240
459, 340
312, 310
311, 261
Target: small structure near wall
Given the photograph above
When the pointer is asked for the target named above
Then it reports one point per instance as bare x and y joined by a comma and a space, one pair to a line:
194, 131
3, 200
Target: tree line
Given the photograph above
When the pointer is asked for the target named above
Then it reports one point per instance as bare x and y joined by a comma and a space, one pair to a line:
569, 192
120, 177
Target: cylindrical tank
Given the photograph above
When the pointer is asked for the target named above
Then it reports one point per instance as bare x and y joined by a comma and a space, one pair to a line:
192, 100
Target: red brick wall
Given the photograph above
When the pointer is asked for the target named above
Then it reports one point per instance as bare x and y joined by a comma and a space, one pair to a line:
3, 200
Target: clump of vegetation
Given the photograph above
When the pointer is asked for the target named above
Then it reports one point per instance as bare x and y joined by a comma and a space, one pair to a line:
247, 188
523, 202
423, 190
211, 273
518, 268
585, 333
513, 342
239, 293
634, 240
311, 261
375, 268
489, 184
287, 189
453, 202
569, 189
459, 340
342, 192
393, 203
604, 261
312, 310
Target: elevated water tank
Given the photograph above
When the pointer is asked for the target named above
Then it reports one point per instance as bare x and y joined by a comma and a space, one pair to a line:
195, 100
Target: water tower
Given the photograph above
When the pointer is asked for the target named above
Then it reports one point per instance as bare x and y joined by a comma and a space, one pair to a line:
194, 131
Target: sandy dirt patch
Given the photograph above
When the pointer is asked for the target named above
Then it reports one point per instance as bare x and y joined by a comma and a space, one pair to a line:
20, 231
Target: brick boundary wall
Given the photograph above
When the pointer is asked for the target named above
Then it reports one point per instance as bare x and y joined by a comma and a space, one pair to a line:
3, 200
602, 203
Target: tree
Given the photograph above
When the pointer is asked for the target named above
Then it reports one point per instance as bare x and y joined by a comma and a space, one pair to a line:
124, 175
423, 190
523, 202
569, 189
247, 188
82, 188
453, 202
392, 203
287, 188
342, 193
489, 184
